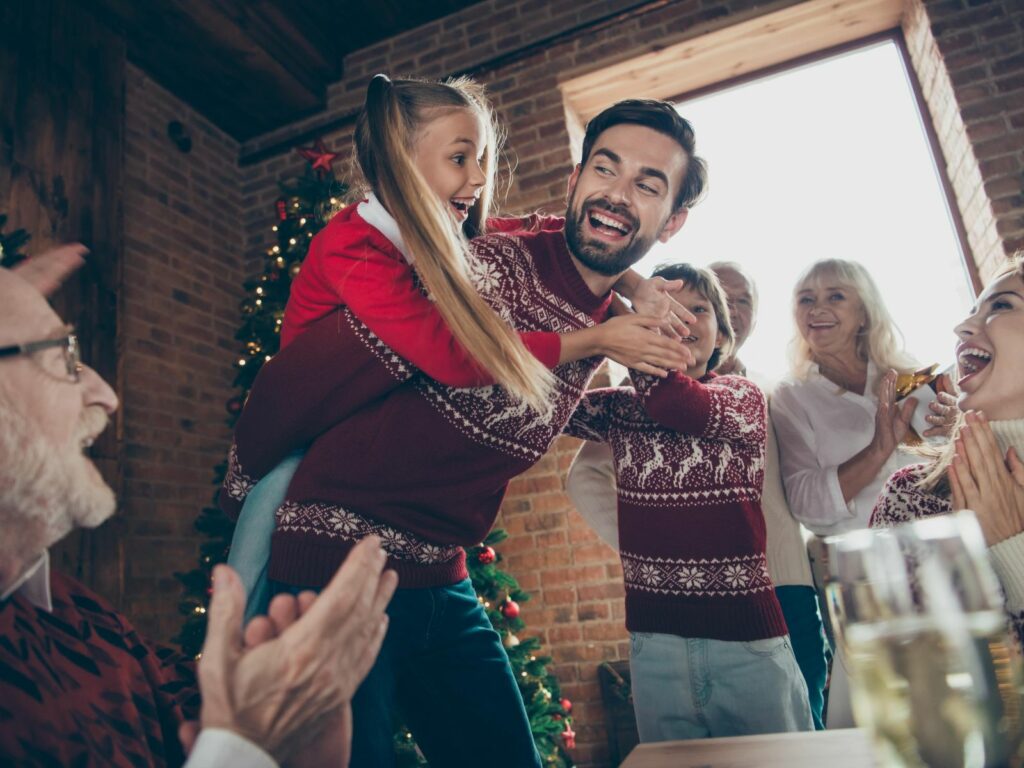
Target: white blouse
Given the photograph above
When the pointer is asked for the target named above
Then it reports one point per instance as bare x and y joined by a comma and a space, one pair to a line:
819, 426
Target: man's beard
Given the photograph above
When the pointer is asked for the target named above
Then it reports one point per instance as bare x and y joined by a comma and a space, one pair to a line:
46, 490
595, 254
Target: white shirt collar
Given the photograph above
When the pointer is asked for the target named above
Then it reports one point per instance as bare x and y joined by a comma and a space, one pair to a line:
373, 213
34, 584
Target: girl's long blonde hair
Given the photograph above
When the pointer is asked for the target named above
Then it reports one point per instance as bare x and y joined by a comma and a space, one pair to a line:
880, 342
937, 479
385, 136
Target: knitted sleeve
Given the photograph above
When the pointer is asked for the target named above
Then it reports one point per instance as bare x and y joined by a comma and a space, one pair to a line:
721, 407
381, 289
901, 500
329, 372
593, 417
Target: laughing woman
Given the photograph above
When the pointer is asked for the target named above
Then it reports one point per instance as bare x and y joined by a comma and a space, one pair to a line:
981, 469
835, 418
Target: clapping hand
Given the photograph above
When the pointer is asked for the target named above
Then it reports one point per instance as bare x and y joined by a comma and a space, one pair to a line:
944, 412
892, 419
987, 483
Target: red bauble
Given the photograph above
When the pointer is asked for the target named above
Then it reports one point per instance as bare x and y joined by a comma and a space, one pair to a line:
510, 609
486, 555
234, 405
282, 209
566, 705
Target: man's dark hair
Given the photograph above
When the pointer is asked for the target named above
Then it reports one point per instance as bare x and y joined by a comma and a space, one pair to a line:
662, 117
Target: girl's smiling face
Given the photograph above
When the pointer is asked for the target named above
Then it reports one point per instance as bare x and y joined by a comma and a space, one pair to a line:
704, 336
990, 355
448, 152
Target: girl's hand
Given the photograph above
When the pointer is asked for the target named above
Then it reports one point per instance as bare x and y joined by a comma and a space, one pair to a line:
892, 421
652, 297
634, 341
986, 483
944, 412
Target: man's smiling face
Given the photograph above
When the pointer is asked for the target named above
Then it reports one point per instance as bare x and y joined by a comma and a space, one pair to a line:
621, 200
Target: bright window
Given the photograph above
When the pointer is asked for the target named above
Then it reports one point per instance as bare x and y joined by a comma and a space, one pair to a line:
826, 160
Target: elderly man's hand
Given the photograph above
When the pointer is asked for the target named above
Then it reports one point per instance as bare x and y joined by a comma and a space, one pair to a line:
281, 693
48, 270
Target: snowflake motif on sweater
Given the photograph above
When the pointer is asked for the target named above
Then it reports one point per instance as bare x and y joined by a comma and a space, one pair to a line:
509, 280
902, 500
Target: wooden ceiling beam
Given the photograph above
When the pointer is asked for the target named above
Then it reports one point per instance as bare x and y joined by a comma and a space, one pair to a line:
201, 54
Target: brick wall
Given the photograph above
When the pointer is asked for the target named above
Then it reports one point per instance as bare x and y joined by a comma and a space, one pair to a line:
183, 274
196, 224
969, 58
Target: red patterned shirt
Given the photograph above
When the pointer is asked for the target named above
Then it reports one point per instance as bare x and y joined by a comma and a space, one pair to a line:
689, 465
79, 687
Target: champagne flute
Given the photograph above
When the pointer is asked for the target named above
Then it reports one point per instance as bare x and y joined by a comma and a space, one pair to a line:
917, 608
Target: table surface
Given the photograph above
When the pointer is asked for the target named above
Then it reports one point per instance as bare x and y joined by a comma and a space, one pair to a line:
843, 748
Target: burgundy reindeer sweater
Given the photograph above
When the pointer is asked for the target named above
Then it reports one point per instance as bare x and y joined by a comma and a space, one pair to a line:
689, 461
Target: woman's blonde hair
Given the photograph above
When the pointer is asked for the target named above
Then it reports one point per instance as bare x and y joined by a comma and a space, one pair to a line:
880, 341
937, 479
395, 113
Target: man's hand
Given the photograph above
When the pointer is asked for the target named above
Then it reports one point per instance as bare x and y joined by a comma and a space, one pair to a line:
281, 693
653, 297
986, 483
634, 341
48, 270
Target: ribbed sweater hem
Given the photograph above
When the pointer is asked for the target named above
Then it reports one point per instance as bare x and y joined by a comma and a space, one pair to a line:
310, 561
744, 618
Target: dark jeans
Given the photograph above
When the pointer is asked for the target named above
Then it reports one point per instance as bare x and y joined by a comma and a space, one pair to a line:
807, 636
443, 666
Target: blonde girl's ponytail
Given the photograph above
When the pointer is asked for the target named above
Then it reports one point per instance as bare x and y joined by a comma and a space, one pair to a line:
385, 137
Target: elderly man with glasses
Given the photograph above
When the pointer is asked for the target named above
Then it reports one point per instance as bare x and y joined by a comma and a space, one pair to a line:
78, 686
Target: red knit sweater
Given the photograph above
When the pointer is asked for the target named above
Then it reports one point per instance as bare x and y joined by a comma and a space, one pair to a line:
425, 467
351, 263
78, 686
689, 459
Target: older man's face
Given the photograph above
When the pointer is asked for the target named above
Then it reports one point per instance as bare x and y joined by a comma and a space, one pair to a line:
47, 421
740, 294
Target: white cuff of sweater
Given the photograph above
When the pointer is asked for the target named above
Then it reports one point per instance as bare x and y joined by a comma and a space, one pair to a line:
221, 748
1008, 562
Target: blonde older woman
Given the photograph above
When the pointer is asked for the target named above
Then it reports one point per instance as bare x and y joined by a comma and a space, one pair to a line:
836, 420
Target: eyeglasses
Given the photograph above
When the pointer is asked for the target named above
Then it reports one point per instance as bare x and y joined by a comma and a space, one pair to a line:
68, 344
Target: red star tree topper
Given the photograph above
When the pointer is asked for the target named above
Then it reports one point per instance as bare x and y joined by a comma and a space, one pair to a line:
318, 157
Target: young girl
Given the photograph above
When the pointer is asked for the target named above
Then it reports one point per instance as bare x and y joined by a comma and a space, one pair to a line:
980, 468
428, 152
710, 655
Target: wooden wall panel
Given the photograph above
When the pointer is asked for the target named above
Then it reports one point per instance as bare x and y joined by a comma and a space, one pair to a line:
61, 137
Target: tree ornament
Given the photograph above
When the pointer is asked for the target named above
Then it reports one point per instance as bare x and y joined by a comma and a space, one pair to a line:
566, 705
544, 693
510, 641
486, 555
293, 270
282, 209
510, 609
234, 405
318, 157
569, 736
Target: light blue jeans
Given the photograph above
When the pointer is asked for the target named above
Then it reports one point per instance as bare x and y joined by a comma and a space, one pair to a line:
250, 545
695, 688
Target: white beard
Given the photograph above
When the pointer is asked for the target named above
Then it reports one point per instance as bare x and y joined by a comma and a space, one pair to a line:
46, 491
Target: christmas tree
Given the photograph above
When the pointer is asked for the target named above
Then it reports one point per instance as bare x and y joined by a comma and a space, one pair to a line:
305, 206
